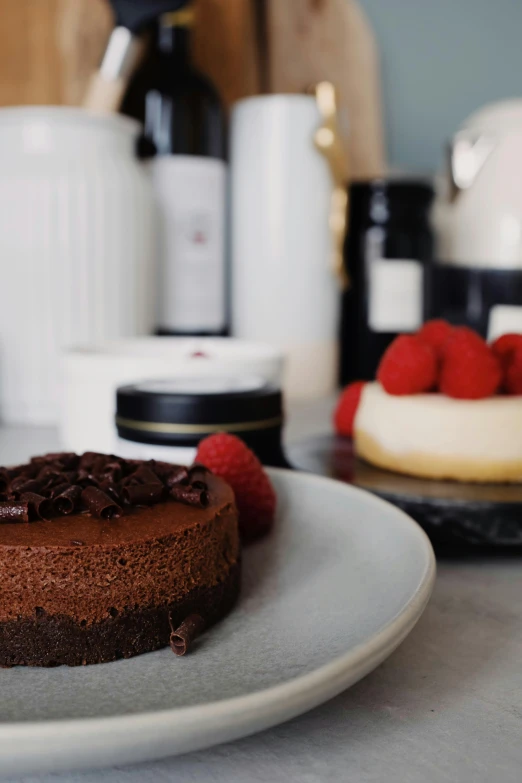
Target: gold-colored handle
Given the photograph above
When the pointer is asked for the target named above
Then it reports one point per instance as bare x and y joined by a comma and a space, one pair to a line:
327, 140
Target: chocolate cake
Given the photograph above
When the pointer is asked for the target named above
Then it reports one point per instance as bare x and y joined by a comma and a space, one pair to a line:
104, 558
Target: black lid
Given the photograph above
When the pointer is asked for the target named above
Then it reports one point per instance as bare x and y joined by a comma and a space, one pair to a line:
197, 406
381, 197
394, 186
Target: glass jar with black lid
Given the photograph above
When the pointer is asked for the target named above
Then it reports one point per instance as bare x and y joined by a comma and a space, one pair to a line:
166, 419
388, 245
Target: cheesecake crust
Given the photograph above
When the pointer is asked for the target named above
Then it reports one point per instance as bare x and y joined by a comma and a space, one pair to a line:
431, 466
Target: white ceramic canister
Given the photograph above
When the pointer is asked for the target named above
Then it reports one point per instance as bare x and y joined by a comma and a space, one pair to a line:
93, 373
77, 247
283, 289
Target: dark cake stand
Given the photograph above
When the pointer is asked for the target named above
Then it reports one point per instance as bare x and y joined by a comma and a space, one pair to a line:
456, 516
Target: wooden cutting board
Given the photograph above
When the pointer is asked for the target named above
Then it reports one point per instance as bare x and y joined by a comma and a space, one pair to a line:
49, 49
312, 40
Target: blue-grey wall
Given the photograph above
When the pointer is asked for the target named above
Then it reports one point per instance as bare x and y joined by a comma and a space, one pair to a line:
441, 60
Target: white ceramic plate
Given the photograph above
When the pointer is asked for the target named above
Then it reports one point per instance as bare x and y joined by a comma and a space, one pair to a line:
325, 599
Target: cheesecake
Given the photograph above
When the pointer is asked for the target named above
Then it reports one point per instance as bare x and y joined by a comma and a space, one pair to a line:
436, 436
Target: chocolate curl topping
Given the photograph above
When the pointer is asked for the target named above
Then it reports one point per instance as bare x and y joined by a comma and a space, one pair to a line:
29, 471
88, 459
182, 638
69, 476
95, 483
112, 471
176, 476
49, 478
143, 494
128, 481
197, 476
39, 507
18, 486
190, 496
59, 488
111, 490
146, 476
49, 472
68, 499
86, 478
99, 504
14, 511
64, 458
198, 468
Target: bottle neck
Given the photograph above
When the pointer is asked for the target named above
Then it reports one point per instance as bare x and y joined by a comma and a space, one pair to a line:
174, 42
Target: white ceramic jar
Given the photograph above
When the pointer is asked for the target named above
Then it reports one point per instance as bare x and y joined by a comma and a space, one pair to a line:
283, 289
93, 373
76, 247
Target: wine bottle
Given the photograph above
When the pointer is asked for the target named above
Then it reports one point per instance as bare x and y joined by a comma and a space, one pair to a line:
184, 137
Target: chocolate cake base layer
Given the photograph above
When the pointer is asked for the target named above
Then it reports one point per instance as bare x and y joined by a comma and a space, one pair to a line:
54, 640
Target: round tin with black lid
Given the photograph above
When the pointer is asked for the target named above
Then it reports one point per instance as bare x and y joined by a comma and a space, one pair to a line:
169, 417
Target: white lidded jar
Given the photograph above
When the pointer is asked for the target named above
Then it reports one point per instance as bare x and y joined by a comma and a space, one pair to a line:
77, 247
283, 290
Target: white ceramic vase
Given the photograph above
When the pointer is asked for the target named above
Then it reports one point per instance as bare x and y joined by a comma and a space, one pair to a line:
76, 243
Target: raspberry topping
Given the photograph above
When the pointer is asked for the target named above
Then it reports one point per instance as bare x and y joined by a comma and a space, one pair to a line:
470, 370
346, 409
228, 457
508, 349
507, 344
436, 334
408, 366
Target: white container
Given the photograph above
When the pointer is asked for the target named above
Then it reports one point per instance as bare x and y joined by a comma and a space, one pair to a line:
481, 226
93, 373
76, 242
283, 288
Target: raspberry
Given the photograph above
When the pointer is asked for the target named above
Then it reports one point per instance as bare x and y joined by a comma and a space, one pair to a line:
347, 408
435, 333
228, 457
508, 349
506, 344
513, 373
464, 336
470, 370
408, 366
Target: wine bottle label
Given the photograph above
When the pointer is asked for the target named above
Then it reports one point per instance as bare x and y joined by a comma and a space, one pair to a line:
190, 193
395, 295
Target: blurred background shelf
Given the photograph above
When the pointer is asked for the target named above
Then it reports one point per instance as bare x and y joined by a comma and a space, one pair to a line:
248, 46
434, 61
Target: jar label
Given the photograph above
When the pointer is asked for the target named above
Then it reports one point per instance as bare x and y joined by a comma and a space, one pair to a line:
395, 299
504, 319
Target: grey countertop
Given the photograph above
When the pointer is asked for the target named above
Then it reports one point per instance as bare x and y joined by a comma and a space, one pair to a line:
446, 706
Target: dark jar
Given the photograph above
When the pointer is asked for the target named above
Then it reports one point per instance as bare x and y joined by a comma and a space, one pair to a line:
166, 419
388, 246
